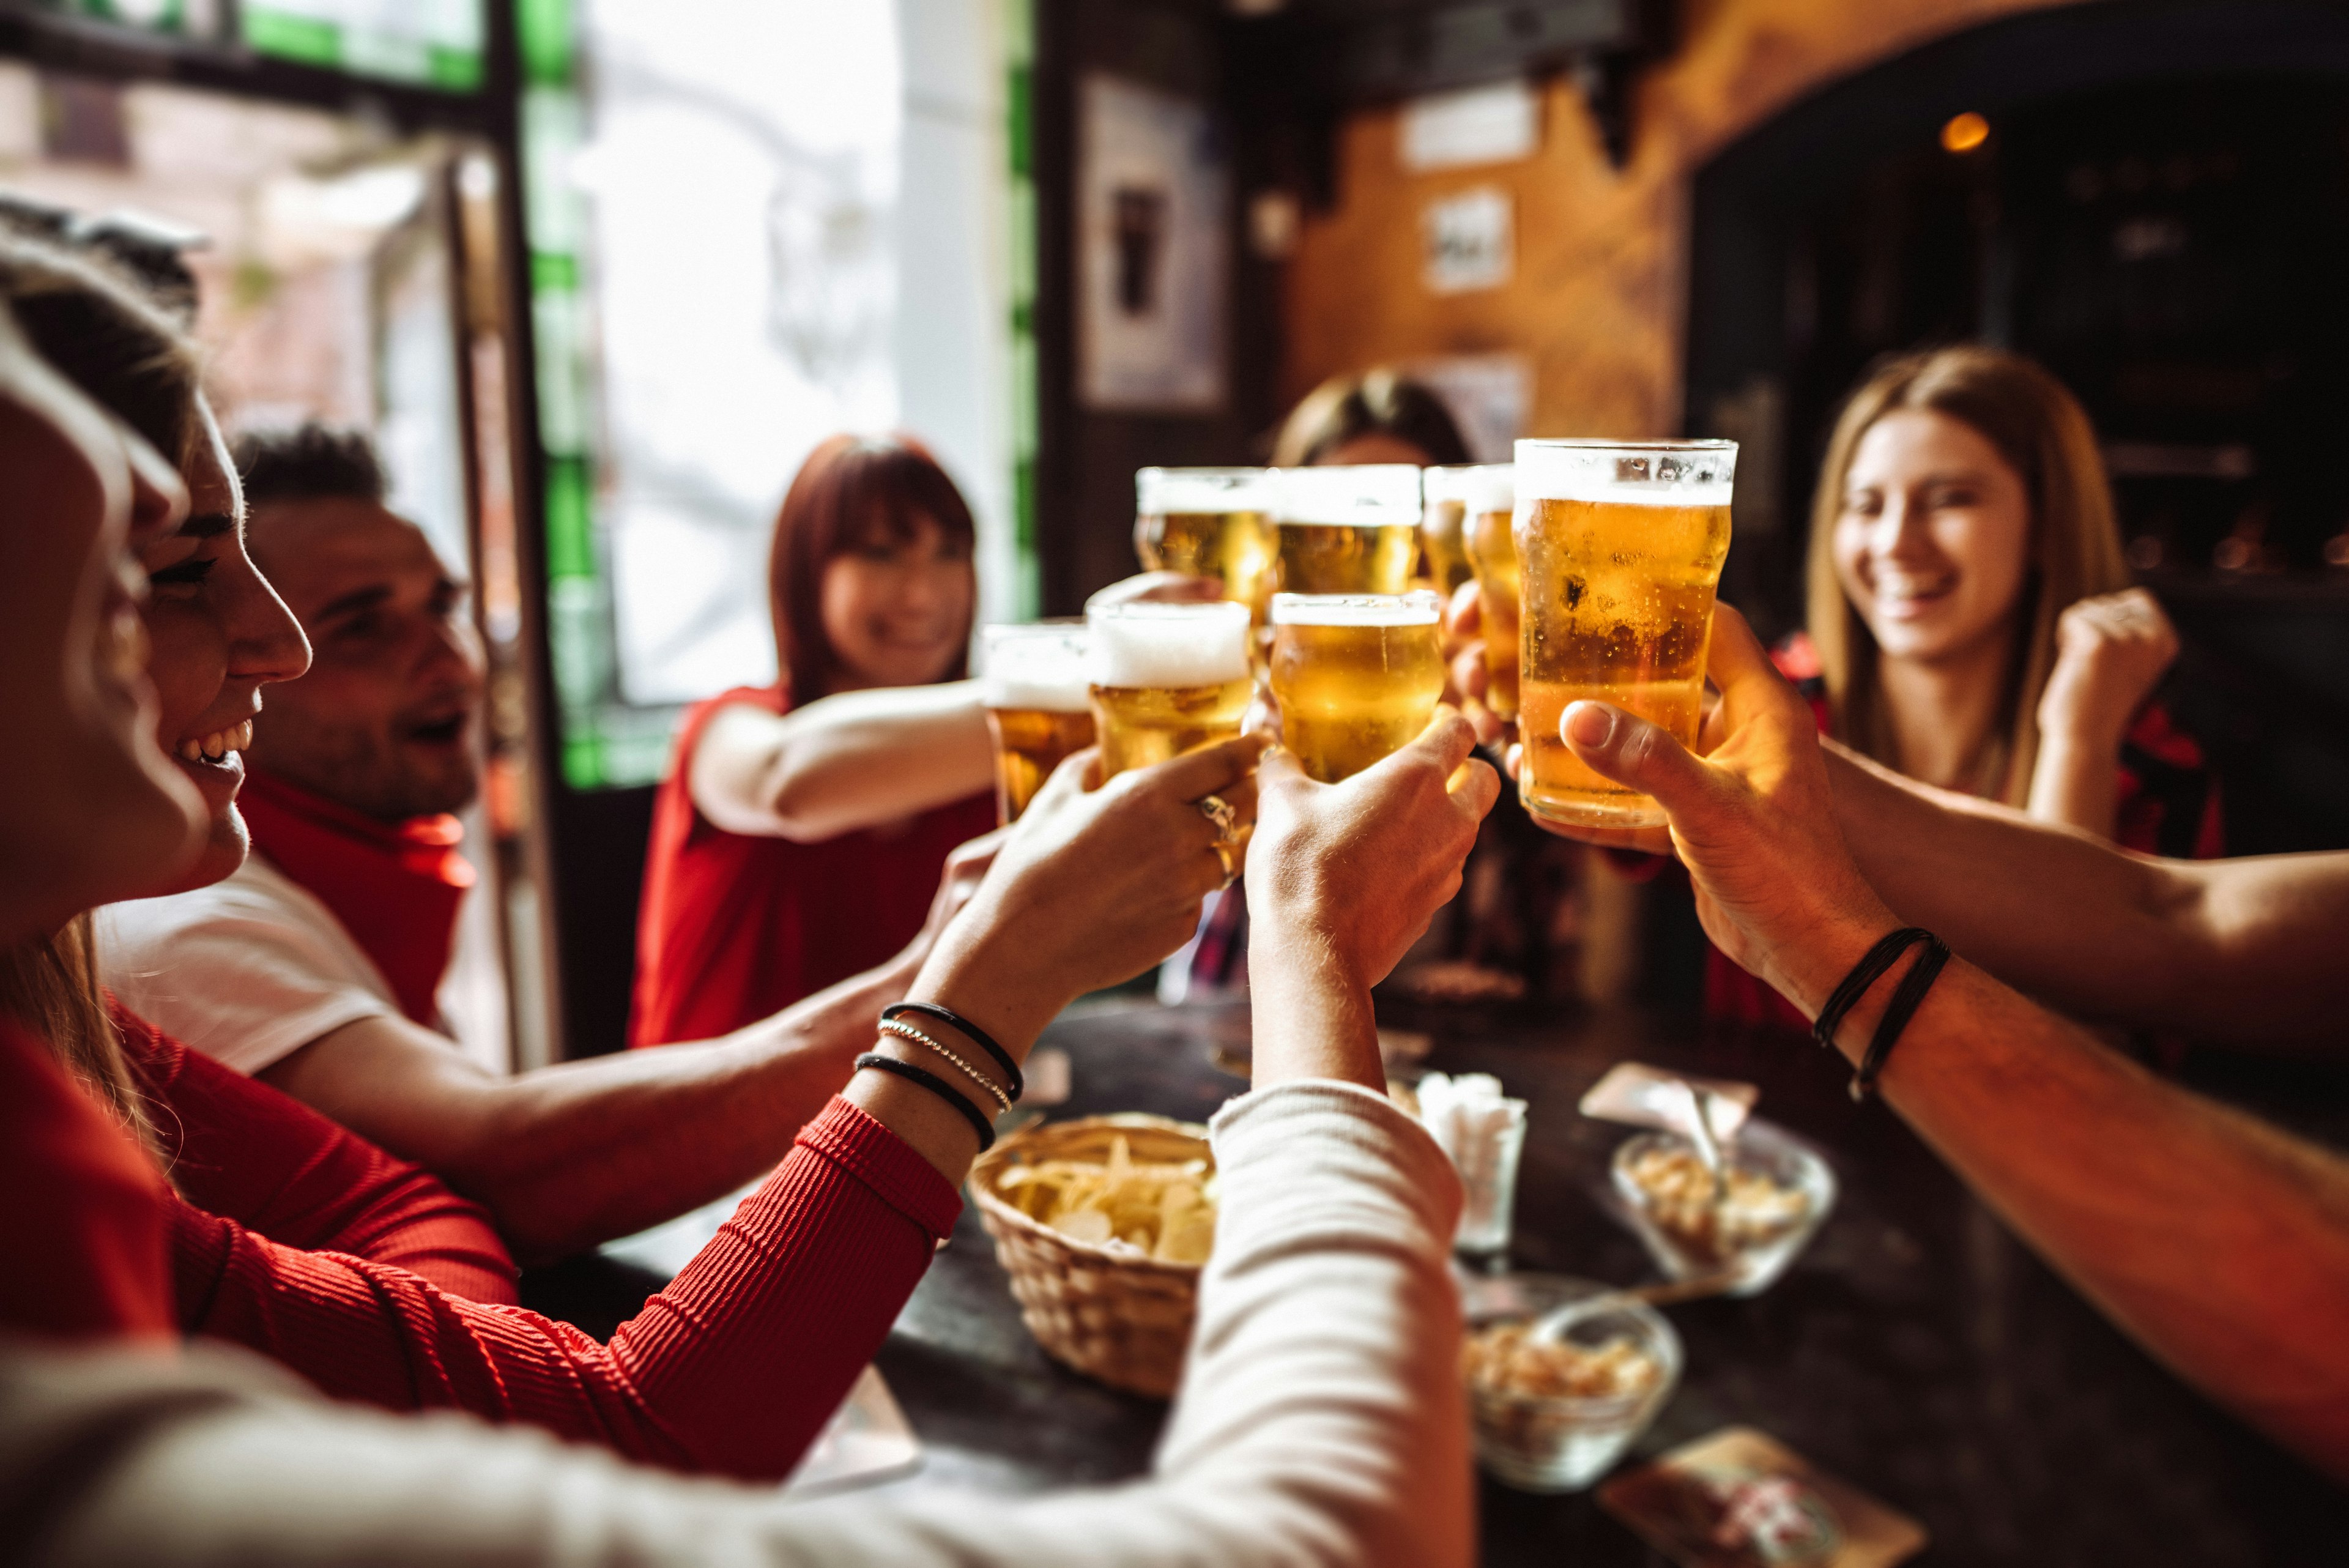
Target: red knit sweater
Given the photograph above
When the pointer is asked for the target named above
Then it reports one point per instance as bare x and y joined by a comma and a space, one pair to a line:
734, 1368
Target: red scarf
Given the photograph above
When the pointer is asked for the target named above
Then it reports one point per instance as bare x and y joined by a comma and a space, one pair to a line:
395, 886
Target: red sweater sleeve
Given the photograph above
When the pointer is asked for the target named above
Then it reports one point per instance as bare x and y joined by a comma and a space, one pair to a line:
734, 1368
245, 1152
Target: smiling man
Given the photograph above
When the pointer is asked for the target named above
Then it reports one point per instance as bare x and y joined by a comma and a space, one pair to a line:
316, 963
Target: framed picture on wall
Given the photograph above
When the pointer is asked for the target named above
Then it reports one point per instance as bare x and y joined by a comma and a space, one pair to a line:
1152, 251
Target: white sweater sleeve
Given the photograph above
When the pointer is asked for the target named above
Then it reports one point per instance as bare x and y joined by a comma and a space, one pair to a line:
1320, 1423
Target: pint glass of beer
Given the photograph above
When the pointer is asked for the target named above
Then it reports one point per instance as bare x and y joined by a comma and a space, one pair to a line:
1619, 546
1357, 676
1491, 497
1208, 522
1165, 680
1347, 530
1443, 521
1039, 707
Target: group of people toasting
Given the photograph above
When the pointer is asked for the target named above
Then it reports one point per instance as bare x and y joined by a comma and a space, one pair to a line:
243, 1148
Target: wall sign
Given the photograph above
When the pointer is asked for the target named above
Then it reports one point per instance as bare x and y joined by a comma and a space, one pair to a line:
1152, 251
1468, 241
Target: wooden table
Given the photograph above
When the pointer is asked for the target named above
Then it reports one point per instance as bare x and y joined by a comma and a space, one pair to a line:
1916, 1348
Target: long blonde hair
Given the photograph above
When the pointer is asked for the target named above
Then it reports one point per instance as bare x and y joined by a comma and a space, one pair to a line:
51, 986
2044, 434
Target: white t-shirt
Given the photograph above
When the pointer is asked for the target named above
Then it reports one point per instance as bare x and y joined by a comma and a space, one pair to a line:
251, 969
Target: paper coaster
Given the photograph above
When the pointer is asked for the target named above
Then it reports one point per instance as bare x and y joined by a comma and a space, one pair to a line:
1741, 1499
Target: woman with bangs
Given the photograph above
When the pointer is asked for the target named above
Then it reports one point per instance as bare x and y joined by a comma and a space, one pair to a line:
799, 834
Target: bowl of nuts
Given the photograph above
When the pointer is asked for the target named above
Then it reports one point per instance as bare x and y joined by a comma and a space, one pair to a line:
1562, 1376
1742, 1223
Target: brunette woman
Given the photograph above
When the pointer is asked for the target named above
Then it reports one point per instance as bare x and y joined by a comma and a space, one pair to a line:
799, 836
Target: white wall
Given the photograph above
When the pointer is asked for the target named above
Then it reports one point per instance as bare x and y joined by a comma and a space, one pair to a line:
953, 334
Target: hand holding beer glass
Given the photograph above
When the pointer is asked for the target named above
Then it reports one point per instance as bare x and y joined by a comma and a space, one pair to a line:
1207, 522
1347, 530
1357, 676
1039, 707
1619, 549
1165, 680
1489, 499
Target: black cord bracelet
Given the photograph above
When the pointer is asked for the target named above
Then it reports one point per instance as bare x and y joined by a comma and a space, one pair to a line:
1906, 998
936, 1085
1865, 974
981, 1037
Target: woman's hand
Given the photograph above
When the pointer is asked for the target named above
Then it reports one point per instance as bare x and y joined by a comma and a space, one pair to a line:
1344, 878
1463, 649
1753, 820
1091, 888
2110, 652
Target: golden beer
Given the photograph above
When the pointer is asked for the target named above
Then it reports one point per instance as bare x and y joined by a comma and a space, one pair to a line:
1165, 680
1621, 548
1357, 676
1210, 523
1443, 530
1347, 530
1039, 707
1493, 550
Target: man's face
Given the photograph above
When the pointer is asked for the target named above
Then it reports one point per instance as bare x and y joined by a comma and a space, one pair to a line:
383, 722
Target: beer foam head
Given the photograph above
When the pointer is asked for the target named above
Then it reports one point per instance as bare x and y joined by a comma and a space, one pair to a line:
1158, 492
1371, 496
1420, 609
1167, 646
1628, 473
1444, 484
1490, 487
1036, 667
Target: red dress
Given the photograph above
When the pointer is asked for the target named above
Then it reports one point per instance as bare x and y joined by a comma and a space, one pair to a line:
733, 927
2165, 803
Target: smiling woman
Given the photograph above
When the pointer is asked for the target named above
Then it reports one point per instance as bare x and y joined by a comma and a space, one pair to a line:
800, 831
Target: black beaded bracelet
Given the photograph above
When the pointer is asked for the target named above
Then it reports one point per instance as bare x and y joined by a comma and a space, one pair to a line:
1865, 974
1906, 1000
936, 1085
981, 1037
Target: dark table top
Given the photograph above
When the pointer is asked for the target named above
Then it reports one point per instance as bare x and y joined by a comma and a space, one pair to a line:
1916, 1348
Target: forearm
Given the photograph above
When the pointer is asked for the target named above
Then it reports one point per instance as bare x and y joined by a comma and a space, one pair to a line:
2219, 1244
2075, 783
853, 761
573, 1155
1310, 1020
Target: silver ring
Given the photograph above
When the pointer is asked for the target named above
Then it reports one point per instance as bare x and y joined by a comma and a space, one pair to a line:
1218, 811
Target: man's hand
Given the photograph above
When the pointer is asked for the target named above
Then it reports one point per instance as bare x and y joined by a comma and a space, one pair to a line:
2110, 652
1463, 649
1753, 820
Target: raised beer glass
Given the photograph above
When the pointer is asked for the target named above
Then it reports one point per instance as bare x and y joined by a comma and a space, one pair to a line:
1210, 523
1347, 530
1039, 706
1357, 676
1442, 528
1166, 679
1619, 547
1490, 499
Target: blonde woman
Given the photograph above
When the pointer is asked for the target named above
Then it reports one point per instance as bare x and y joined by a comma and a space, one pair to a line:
1972, 621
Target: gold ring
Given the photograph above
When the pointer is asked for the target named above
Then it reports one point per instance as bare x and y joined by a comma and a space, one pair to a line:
1224, 853
1218, 810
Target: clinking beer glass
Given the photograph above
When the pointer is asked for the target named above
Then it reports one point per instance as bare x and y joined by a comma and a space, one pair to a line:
1357, 676
1039, 707
1347, 530
1619, 549
1208, 522
1166, 679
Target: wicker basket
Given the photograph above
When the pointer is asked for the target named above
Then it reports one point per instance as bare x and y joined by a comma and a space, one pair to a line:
1120, 1318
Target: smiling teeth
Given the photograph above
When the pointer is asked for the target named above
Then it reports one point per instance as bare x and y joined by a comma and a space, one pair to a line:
217, 746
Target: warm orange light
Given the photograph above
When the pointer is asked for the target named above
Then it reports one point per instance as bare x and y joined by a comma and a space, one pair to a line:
1965, 133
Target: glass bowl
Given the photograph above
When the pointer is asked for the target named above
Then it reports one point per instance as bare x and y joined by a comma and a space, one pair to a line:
1553, 1442
1779, 1190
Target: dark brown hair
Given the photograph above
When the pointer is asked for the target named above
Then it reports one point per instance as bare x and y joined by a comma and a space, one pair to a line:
310, 461
851, 491
2044, 436
94, 325
1380, 403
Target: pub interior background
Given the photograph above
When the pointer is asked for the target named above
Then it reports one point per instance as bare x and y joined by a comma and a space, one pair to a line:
460, 226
